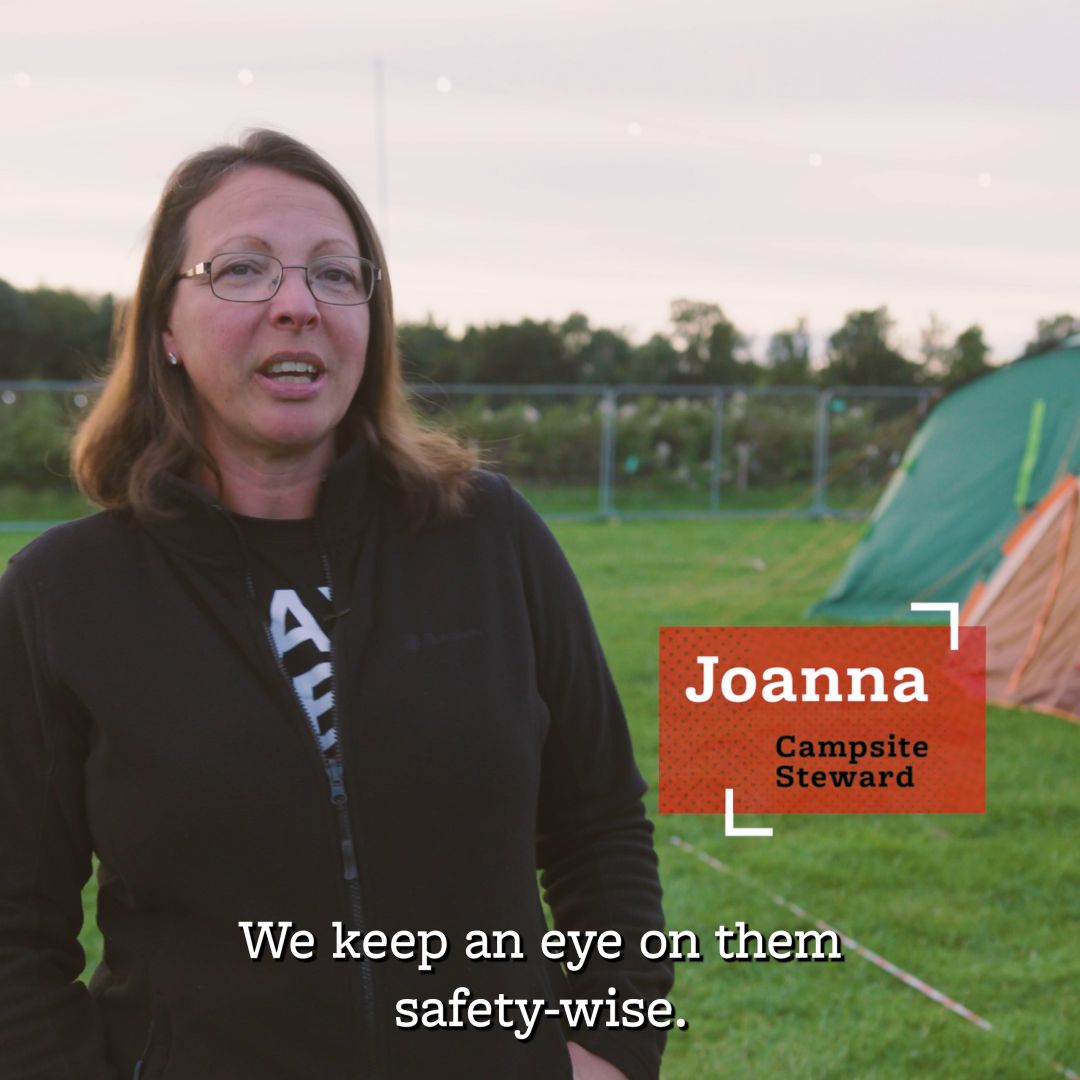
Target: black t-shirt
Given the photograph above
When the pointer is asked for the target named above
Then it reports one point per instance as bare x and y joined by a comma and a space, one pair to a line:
294, 597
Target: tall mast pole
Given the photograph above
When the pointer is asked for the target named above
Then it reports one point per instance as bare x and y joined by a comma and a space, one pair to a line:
380, 147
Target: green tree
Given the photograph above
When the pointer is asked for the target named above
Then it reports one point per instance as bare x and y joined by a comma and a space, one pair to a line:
934, 349
712, 350
788, 356
594, 354
13, 325
102, 331
966, 359
1050, 333
656, 361
525, 352
860, 354
67, 335
429, 352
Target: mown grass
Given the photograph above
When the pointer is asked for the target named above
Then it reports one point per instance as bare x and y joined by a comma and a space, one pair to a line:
29, 504
653, 494
985, 908
631, 496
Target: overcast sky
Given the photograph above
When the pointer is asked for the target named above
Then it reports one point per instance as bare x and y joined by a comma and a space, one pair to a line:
778, 158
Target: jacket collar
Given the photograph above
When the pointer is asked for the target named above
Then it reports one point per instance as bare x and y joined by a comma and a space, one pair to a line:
203, 530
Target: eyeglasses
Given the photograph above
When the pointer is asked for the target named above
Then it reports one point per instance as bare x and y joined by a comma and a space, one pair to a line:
252, 278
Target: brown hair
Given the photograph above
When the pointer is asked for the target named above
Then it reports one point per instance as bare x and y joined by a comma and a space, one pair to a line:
145, 422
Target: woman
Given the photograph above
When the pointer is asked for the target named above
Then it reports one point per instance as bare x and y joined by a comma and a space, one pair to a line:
310, 669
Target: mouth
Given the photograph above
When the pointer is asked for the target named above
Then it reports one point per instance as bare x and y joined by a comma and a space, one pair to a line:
296, 369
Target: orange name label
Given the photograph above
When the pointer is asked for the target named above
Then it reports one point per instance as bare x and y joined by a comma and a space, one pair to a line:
829, 720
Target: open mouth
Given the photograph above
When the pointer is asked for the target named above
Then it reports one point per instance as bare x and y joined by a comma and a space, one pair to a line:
300, 372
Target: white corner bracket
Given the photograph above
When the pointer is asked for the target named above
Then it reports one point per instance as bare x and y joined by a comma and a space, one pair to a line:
730, 829
953, 608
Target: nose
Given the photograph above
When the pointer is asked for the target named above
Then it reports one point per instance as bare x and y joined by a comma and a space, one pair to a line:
293, 304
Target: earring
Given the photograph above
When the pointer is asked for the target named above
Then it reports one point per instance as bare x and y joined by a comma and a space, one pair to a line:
173, 359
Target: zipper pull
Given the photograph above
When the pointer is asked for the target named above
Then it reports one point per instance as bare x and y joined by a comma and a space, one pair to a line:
336, 775
348, 858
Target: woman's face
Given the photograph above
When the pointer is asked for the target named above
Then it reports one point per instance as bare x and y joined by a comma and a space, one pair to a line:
229, 350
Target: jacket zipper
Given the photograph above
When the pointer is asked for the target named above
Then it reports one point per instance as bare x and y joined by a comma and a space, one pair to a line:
335, 776
340, 799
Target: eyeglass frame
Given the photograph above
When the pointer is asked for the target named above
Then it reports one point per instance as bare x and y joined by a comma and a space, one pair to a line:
205, 268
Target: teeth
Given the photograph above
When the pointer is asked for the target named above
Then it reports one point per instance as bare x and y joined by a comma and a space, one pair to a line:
288, 367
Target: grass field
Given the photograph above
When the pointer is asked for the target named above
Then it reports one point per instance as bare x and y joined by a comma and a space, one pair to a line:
985, 908
631, 495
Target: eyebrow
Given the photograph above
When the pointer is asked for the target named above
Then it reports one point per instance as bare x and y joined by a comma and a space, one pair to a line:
249, 242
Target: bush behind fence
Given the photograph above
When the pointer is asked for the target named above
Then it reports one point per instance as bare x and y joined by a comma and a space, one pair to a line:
594, 450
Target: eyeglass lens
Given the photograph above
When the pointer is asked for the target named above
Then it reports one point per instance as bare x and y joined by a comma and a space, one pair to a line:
333, 279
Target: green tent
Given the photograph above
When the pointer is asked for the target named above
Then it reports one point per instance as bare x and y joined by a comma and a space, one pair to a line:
986, 455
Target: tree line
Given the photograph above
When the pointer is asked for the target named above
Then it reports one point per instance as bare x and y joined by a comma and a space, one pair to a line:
59, 334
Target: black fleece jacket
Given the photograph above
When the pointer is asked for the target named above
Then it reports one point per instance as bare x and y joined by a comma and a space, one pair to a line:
144, 720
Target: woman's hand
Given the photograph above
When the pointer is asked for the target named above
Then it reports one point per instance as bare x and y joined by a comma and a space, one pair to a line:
587, 1066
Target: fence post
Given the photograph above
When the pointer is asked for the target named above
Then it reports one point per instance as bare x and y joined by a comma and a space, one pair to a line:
608, 411
821, 454
716, 452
